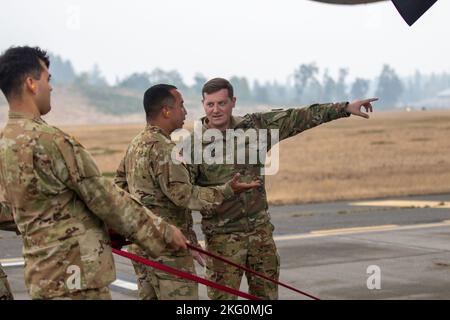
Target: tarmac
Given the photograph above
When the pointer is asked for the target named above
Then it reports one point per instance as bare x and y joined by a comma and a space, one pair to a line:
394, 248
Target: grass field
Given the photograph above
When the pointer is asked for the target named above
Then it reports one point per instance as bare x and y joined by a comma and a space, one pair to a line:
391, 154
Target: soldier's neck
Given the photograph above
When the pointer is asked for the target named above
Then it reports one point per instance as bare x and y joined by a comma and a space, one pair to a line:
24, 106
221, 128
163, 126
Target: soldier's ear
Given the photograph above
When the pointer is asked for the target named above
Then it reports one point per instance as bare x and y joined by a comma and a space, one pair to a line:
30, 84
234, 101
166, 112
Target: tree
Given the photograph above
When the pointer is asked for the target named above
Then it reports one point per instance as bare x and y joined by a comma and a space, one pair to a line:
259, 92
82, 79
390, 87
417, 88
341, 87
241, 88
313, 91
329, 87
359, 89
199, 81
277, 94
137, 81
169, 77
304, 74
95, 77
62, 71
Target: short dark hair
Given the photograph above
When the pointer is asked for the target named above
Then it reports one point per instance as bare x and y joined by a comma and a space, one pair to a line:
217, 84
156, 97
17, 63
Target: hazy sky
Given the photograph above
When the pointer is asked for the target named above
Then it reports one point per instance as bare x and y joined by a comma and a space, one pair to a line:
264, 39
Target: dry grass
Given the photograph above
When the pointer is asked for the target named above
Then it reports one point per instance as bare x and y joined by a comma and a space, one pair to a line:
395, 153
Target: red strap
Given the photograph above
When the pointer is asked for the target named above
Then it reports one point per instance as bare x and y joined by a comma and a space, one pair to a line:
250, 271
184, 275
213, 284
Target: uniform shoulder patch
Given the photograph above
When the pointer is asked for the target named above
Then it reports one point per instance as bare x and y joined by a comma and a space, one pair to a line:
72, 140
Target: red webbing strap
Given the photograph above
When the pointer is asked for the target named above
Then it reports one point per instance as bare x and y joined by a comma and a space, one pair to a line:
250, 271
183, 274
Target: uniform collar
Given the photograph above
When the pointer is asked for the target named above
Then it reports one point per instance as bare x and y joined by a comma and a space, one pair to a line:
24, 115
156, 129
235, 121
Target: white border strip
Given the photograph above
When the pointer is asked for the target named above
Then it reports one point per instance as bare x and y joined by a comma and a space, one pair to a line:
125, 284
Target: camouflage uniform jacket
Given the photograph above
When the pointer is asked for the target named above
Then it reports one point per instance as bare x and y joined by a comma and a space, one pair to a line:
244, 212
162, 185
60, 203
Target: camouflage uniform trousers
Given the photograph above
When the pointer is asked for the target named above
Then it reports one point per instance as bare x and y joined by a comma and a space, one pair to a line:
256, 250
5, 290
88, 294
158, 285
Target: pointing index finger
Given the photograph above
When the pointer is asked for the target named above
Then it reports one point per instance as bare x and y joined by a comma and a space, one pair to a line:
370, 100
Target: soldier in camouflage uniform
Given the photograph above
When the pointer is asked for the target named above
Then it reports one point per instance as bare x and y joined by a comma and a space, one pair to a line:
163, 185
240, 229
60, 201
7, 224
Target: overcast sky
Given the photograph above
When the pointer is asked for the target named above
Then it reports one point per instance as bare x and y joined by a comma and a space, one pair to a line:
260, 39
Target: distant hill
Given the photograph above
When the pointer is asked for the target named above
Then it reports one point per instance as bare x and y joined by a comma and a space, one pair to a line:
98, 105
73, 105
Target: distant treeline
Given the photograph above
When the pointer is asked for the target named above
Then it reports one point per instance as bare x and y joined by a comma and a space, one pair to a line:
307, 84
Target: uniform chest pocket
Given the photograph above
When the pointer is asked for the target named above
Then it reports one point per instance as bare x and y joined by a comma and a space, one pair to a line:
217, 173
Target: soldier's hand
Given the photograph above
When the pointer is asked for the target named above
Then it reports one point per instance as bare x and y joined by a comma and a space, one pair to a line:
239, 187
117, 240
198, 257
355, 107
178, 239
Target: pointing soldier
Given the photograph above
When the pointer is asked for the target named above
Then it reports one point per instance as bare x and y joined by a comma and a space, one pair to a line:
240, 228
60, 201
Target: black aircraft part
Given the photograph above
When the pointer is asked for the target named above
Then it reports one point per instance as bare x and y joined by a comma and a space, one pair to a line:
412, 10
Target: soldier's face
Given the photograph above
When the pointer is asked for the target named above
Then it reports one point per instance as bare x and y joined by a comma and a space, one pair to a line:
44, 88
218, 107
178, 110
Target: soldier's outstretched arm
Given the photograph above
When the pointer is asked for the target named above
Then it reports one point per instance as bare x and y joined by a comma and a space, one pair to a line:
75, 167
292, 121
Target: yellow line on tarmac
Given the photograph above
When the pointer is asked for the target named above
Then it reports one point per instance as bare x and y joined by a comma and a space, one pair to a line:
346, 231
356, 229
12, 260
404, 204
